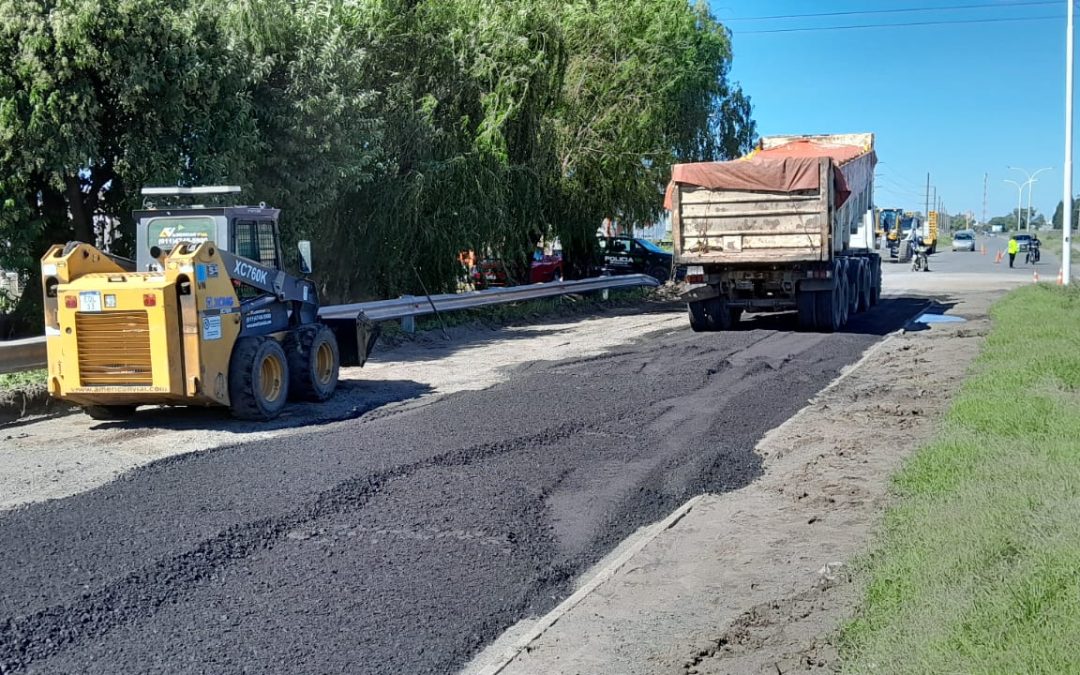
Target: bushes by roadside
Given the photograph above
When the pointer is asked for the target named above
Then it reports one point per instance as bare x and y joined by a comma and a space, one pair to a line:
977, 568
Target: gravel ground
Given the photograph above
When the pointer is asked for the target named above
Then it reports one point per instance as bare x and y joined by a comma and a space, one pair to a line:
403, 539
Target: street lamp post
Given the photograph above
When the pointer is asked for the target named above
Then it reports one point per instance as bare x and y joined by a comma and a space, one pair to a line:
1031, 180
1019, 200
1067, 197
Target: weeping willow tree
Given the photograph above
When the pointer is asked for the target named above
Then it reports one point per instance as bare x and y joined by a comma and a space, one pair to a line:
465, 88
646, 86
393, 133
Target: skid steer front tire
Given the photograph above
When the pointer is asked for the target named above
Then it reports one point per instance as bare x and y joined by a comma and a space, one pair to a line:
110, 413
314, 362
258, 379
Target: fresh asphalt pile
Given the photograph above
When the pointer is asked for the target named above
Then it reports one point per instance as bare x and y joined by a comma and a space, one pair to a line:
407, 539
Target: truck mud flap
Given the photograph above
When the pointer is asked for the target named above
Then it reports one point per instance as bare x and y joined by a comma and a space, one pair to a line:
355, 337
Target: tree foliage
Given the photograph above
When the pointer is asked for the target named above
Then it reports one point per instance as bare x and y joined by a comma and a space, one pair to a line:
394, 133
1013, 221
1058, 219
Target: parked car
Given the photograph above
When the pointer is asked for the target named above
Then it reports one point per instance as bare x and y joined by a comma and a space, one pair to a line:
963, 240
1023, 239
632, 255
546, 268
493, 272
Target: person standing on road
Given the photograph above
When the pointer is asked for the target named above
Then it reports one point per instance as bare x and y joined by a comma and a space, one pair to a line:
1014, 248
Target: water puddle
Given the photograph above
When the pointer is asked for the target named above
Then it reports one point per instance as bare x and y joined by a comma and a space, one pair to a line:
939, 318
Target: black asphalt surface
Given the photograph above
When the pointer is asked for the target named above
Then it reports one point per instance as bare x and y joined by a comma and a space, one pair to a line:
407, 539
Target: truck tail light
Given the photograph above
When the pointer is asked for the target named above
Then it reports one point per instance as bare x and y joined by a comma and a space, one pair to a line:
71, 302
695, 274
149, 300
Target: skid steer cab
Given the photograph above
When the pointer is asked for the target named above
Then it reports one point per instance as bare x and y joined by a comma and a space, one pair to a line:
205, 315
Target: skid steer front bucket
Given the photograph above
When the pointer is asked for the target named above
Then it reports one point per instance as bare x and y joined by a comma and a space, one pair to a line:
355, 337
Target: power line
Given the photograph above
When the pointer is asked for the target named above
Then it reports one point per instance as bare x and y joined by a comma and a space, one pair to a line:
896, 177
866, 12
1057, 17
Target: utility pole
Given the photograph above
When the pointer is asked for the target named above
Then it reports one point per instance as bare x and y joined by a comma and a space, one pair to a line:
927, 213
986, 182
1066, 215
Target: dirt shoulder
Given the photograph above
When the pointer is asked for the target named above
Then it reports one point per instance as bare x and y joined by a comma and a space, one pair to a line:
47, 457
757, 580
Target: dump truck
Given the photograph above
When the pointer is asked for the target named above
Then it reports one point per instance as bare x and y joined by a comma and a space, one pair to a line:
205, 315
788, 227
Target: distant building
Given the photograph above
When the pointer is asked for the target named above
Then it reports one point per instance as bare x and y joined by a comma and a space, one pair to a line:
10, 285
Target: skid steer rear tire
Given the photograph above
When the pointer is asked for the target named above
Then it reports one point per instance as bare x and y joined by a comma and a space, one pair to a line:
258, 379
110, 413
314, 361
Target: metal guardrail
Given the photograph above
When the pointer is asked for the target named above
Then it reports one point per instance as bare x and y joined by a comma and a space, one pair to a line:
29, 353
19, 355
385, 310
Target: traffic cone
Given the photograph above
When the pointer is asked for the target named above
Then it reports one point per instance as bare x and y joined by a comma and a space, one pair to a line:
997, 258
984, 249
1061, 277
1035, 277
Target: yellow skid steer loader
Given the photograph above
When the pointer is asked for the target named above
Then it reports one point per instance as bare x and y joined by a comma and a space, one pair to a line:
205, 315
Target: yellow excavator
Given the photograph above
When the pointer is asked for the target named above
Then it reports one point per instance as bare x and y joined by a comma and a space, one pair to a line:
205, 315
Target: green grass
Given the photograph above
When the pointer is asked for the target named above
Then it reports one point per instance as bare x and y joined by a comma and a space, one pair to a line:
1051, 241
977, 568
28, 381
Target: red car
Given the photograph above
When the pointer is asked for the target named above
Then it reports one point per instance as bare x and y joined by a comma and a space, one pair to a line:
546, 268
491, 273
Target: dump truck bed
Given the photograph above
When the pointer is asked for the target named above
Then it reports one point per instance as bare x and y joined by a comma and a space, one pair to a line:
794, 199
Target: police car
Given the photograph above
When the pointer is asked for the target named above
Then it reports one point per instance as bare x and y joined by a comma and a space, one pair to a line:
631, 255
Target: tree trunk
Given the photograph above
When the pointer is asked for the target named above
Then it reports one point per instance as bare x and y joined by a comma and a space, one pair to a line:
81, 218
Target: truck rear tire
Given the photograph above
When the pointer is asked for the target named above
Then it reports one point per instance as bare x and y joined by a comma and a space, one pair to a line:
314, 362
845, 301
865, 280
875, 283
710, 315
699, 321
853, 277
719, 313
110, 413
806, 301
258, 379
827, 310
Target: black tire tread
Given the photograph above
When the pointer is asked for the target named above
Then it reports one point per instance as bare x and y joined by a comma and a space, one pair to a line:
243, 400
110, 413
299, 352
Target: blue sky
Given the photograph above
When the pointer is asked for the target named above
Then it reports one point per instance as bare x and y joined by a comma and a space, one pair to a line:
956, 100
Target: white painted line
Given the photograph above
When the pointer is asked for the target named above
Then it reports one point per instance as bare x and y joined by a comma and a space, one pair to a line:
549, 619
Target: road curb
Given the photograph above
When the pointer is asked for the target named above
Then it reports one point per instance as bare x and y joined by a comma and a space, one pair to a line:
551, 618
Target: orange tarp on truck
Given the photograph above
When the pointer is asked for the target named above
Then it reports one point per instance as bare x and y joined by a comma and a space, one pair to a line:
786, 168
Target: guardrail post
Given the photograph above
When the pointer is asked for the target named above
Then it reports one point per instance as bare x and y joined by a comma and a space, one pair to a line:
408, 323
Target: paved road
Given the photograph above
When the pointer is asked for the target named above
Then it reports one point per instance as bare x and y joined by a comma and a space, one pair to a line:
405, 540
